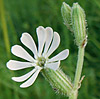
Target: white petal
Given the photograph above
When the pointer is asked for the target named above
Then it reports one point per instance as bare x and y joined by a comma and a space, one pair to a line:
61, 56
41, 38
53, 66
20, 52
55, 44
17, 65
31, 80
49, 36
28, 41
24, 77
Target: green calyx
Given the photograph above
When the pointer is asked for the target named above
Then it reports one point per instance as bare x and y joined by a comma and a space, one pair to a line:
66, 14
58, 80
79, 25
74, 19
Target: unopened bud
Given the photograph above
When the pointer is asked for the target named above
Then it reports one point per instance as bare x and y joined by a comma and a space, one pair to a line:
66, 14
79, 25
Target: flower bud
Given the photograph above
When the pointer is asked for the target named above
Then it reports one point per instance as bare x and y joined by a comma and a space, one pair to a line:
66, 14
79, 25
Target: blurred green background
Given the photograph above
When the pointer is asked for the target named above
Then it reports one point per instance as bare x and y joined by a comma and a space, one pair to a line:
18, 16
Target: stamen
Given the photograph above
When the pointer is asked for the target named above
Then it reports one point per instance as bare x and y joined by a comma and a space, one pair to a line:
41, 61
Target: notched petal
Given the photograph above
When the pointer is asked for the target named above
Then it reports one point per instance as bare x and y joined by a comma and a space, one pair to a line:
53, 66
61, 56
19, 51
49, 36
41, 38
54, 45
31, 80
28, 41
17, 65
24, 77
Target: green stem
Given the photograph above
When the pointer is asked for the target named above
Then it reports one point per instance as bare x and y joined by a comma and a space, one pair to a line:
79, 66
4, 28
78, 73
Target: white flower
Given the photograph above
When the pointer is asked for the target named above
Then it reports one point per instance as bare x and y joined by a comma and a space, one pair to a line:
48, 42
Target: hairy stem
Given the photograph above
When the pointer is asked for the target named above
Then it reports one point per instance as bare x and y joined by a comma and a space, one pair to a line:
74, 93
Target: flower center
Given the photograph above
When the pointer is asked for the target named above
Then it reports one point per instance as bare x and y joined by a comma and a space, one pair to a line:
41, 61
